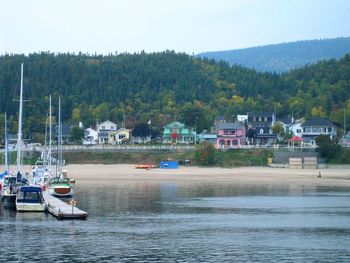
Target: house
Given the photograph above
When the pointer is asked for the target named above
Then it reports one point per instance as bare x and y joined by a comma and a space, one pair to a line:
103, 129
177, 132
230, 135
65, 133
219, 120
315, 127
90, 136
295, 128
345, 140
120, 136
242, 118
286, 122
206, 137
261, 124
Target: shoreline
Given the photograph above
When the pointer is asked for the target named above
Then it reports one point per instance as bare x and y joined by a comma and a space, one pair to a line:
117, 174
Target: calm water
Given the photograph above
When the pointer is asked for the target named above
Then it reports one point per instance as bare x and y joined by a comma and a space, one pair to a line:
197, 223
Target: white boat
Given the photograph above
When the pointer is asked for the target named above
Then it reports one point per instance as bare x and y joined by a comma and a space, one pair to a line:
60, 185
13, 182
6, 171
10, 190
30, 199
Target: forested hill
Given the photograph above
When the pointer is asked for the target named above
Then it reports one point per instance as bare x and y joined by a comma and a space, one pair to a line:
164, 87
285, 56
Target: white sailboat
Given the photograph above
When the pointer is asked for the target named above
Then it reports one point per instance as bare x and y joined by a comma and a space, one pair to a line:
60, 185
41, 171
13, 182
6, 170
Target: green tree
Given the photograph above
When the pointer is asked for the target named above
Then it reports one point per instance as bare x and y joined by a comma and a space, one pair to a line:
328, 148
77, 134
194, 116
141, 130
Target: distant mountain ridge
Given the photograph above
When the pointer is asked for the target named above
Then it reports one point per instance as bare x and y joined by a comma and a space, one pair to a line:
285, 56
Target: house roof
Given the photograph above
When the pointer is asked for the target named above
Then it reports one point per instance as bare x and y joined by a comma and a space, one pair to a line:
107, 122
261, 114
230, 126
219, 118
285, 120
317, 121
175, 123
120, 130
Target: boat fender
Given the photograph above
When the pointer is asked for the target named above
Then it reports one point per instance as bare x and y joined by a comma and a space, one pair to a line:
72, 180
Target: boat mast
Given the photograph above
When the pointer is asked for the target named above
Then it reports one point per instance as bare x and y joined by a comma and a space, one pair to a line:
50, 132
59, 134
6, 146
58, 145
19, 139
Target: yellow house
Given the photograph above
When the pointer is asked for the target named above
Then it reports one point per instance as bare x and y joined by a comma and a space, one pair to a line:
120, 136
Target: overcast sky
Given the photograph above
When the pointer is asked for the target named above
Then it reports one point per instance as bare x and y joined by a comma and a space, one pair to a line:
191, 26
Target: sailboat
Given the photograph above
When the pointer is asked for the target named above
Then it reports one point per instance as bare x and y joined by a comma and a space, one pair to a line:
13, 182
42, 169
60, 185
6, 171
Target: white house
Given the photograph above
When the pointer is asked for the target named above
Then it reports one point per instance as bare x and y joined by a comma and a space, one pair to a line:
90, 137
107, 126
242, 118
296, 128
103, 129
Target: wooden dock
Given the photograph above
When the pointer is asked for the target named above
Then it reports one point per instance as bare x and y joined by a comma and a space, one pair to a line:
62, 210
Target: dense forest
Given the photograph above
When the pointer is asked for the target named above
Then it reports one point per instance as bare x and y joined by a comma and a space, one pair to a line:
285, 56
163, 87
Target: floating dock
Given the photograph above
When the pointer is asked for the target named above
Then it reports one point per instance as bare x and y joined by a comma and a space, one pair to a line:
62, 210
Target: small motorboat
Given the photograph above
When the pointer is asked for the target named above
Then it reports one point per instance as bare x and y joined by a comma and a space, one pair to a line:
30, 199
60, 187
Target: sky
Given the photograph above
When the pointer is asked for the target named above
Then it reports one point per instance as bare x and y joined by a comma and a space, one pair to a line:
190, 26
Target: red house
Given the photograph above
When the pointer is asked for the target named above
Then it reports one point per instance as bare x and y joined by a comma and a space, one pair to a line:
230, 135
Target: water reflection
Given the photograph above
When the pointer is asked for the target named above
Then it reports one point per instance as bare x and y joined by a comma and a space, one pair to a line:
151, 222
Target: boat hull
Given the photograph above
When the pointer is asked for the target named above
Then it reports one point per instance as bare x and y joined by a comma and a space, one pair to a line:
26, 207
59, 191
9, 200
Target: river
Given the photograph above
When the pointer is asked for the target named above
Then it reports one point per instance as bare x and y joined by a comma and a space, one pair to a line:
152, 222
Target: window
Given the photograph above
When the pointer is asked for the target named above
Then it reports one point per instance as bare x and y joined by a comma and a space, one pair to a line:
265, 119
260, 119
254, 119
103, 127
121, 136
298, 130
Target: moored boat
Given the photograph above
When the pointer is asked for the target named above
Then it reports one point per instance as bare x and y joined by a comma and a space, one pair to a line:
10, 189
30, 199
60, 187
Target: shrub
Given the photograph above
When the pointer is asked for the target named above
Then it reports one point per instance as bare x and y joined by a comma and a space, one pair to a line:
205, 153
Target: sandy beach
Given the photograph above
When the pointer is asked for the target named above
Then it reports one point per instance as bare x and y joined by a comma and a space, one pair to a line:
91, 174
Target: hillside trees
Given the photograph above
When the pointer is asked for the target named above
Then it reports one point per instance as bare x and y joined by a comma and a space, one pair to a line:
164, 86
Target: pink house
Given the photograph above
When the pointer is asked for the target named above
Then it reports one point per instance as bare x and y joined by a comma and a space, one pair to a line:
230, 135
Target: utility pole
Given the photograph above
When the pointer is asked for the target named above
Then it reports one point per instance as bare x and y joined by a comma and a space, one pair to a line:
344, 122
